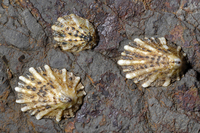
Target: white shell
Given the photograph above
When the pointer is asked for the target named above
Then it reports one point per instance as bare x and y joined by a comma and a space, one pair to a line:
152, 62
50, 93
74, 33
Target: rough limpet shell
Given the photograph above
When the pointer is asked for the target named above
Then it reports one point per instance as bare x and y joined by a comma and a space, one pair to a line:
74, 33
50, 93
152, 62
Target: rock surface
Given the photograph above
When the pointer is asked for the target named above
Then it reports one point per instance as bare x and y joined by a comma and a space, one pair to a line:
112, 103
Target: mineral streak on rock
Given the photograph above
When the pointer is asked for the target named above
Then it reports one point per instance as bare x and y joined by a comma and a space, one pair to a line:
152, 62
74, 33
50, 93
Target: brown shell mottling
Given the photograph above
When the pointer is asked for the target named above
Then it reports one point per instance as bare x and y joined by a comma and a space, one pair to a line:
50, 93
74, 34
151, 62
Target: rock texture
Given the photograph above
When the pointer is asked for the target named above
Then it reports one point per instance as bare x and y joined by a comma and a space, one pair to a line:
112, 103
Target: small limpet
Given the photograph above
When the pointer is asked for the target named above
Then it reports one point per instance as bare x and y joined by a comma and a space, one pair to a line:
152, 62
74, 33
50, 93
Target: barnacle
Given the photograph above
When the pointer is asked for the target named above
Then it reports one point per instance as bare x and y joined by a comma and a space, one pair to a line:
152, 62
50, 93
74, 33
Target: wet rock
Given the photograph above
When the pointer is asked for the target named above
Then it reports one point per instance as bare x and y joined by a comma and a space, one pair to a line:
112, 103
42, 126
16, 38
4, 83
31, 23
59, 59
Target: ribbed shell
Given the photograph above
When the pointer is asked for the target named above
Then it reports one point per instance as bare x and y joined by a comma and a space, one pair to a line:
74, 33
152, 62
50, 93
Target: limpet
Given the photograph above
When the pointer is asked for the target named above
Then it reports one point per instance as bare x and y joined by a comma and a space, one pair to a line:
152, 62
50, 93
74, 33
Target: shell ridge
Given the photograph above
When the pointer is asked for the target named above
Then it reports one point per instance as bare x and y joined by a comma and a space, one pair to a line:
40, 104
36, 74
130, 62
24, 101
151, 79
132, 49
64, 74
39, 115
34, 112
76, 81
77, 21
142, 71
57, 28
163, 42
87, 23
22, 90
62, 21
145, 45
74, 19
27, 81
167, 82
26, 108
49, 72
52, 78
59, 115
80, 94
59, 39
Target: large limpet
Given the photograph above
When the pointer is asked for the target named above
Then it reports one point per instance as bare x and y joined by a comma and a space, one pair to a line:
74, 33
50, 93
152, 62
